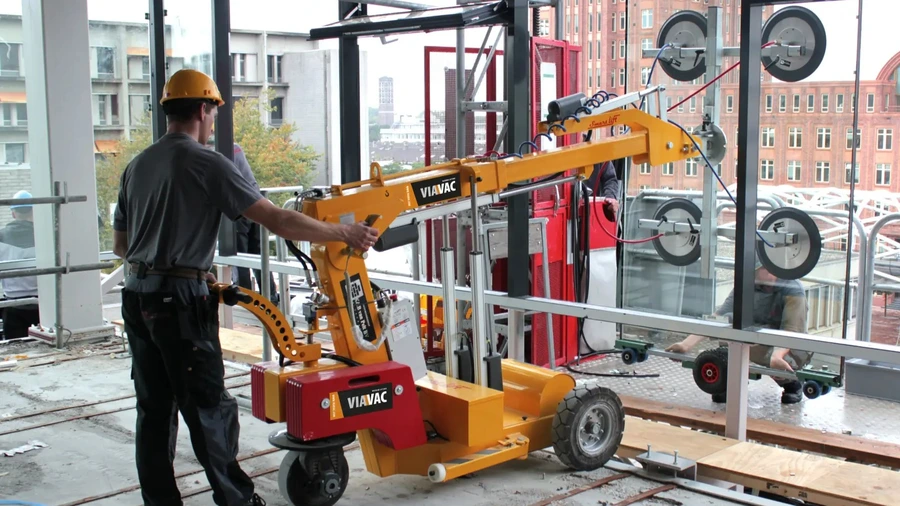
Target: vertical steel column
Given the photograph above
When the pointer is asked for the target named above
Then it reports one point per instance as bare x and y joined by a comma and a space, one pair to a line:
221, 19
460, 93
157, 19
264, 287
479, 318
448, 281
560, 12
745, 252
516, 57
708, 219
351, 124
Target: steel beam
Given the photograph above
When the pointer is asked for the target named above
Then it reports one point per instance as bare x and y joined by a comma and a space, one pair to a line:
708, 238
350, 102
222, 63
157, 19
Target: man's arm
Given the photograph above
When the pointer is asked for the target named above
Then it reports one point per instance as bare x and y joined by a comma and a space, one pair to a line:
120, 243
296, 226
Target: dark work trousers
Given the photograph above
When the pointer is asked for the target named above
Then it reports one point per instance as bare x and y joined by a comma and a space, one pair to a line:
16, 320
177, 363
248, 241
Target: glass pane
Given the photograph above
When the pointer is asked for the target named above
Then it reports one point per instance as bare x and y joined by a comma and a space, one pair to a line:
117, 36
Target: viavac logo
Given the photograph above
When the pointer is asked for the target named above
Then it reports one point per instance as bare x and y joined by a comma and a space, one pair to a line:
367, 400
359, 401
437, 189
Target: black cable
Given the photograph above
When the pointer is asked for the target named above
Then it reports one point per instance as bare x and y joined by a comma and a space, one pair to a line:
434, 429
342, 359
611, 375
302, 257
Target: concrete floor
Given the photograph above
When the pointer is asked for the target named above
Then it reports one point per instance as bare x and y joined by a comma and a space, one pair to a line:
94, 456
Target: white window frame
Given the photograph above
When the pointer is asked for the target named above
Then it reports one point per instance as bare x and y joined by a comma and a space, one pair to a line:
794, 170
847, 173
795, 137
825, 100
647, 19
729, 103
690, 167
884, 139
823, 169
767, 137
823, 138
767, 168
668, 169
839, 103
882, 174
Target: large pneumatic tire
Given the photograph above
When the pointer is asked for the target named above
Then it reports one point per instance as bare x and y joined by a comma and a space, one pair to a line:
711, 371
313, 478
588, 427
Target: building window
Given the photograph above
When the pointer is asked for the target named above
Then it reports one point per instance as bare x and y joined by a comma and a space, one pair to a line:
613, 53
614, 24
644, 187
810, 103
599, 48
782, 103
645, 75
598, 23
883, 174
885, 139
598, 78
870, 102
795, 137
273, 72
622, 77
612, 79
690, 167
839, 103
881, 209
14, 153
622, 50
768, 103
668, 102
847, 173
767, 137
796, 103
576, 23
276, 117
729, 103
240, 66
590, 51
645, 168
693, 104
622, 22
680, 105
590, 75
823, 138
647, 18
825, 103
793, 170
850, 138
590, 23
145, 68
823, 172
100, 106
21, 115
766, 170
668, 169
646, 44
9, 60
106, 62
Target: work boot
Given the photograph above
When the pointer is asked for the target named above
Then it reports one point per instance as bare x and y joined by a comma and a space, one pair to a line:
719, 398
792, 392
255, 500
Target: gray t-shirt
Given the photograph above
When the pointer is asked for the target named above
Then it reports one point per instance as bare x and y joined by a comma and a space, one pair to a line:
171, 200
781, 307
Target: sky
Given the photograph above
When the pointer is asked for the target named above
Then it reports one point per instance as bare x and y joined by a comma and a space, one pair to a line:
403, 59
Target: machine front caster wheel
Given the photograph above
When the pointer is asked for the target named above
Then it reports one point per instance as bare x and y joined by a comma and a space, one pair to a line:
588, 427
711, 371
313, 478
826, 389
629, 356
811, 389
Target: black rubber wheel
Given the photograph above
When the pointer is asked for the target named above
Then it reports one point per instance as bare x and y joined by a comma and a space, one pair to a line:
691, 30
680, 249
313, 478
800, 27
826, 389
588, 427
804, 254
629, 356
812, 389
642, 356
711, 371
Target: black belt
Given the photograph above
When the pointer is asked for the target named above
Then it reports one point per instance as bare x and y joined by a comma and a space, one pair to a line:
142, 270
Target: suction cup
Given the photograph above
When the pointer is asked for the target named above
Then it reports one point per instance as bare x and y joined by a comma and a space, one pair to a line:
684, 29
678, 248
795, 260
794, 26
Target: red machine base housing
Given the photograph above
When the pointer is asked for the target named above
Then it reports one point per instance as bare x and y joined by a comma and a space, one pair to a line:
380, 396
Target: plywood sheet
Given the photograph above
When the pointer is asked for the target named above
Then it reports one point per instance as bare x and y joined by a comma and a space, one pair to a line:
821, 480
863, 450
666, 438
237, 346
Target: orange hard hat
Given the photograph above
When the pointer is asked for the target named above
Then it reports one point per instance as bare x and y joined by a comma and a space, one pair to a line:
190, 83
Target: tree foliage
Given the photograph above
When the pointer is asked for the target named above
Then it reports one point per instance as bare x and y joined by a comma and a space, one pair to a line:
276, 158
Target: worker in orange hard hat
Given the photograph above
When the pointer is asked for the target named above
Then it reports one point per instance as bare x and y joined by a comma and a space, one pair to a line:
171, 199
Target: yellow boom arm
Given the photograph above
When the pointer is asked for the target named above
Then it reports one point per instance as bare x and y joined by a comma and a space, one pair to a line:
650, 140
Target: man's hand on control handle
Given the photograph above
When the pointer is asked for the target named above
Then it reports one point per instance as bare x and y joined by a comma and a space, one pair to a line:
361, 236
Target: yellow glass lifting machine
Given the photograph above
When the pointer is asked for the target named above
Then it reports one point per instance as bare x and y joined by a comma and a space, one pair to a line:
410, 420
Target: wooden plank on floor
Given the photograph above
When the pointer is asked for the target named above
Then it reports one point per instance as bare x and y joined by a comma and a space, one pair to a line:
856, 448
813, 478
241, 347
690, 444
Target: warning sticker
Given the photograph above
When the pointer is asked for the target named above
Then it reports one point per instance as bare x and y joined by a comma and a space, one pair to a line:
362, 317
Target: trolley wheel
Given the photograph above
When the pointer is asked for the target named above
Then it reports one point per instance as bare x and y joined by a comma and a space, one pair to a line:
313, 478
629, 356
588, 427
642, 356
812, 389
711, 371
826, 389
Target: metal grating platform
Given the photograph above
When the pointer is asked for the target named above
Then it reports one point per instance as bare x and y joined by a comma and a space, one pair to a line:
837, 412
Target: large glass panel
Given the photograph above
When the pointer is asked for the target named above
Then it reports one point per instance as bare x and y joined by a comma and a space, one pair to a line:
16, 223
120, 87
